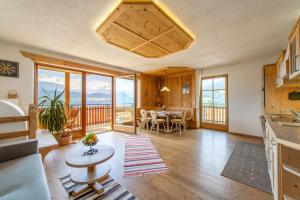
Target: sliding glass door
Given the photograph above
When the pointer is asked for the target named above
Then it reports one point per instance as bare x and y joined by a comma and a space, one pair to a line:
214, 109
124, 103
98, 103
88, 102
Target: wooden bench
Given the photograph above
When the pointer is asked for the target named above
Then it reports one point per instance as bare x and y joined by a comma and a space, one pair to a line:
46, 141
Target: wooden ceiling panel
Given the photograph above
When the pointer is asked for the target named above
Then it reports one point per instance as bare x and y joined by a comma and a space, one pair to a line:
169, 70
117, 36
143, 21
173, 41
143, 28
150, 51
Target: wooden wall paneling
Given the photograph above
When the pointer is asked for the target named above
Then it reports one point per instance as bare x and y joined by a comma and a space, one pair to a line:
149, 91
187, 99
276, 99
175, 99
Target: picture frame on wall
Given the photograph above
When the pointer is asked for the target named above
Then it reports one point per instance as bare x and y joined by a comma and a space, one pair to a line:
186, 88
9, 68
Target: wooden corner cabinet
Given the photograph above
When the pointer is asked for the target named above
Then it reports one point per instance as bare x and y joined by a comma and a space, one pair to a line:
294, 52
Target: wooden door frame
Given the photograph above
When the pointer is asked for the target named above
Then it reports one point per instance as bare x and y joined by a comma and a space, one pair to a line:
119, 127
211, 125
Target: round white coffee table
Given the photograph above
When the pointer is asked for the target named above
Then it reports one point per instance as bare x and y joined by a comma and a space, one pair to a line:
88, 172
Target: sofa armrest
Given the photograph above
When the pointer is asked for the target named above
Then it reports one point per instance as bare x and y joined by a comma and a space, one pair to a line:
16, 150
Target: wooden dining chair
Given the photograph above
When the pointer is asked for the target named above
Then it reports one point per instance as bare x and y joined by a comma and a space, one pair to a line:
179, 122
144, 120
157, 122
71, 119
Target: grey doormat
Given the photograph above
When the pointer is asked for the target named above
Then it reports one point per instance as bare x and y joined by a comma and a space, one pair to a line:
248, 164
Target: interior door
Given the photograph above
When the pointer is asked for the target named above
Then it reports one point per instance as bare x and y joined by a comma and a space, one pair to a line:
124, 99
214, 103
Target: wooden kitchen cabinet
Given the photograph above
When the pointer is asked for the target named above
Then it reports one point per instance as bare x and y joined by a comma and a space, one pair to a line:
289, 173
294, 52
282, 69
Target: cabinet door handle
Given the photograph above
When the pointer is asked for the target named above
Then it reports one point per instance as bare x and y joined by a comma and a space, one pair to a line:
273, 142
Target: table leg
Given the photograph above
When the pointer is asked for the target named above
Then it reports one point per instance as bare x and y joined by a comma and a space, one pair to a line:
168, 128
91, 168
96, 186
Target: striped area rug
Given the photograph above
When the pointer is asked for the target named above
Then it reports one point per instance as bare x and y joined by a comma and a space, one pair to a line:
112, 190
141, 157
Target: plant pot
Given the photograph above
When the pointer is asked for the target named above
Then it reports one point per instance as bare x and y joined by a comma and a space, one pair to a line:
64, 140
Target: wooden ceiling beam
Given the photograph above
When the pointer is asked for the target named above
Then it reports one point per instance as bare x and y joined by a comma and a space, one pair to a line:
140, 37
152, 39
66, 64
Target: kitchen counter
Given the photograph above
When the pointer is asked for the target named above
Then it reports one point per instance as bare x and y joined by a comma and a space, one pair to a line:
286, 135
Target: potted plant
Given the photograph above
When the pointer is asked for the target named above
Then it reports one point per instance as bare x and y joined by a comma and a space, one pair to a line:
53, 116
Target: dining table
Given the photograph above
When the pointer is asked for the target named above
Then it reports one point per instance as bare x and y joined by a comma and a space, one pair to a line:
168, 114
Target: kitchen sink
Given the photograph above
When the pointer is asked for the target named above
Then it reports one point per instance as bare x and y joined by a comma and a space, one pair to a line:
285, 120
282, 118
294, 124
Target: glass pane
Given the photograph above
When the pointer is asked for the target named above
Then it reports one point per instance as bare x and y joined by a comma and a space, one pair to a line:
207, 106
75, 89
124, 102
98, 102
207, 84
207, 98
75, 109
219, 83
219, 98
49, 81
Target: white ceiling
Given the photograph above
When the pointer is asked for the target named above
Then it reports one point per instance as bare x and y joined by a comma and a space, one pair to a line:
226, 31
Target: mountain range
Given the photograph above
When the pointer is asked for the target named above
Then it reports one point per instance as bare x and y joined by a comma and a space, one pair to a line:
91, 98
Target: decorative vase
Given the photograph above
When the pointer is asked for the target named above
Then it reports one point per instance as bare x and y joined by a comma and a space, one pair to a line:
64, 140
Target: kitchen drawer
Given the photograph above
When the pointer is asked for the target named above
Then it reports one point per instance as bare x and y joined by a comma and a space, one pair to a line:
290, 184
291, 157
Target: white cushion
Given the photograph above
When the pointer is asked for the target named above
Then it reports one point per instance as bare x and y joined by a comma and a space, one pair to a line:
23, 178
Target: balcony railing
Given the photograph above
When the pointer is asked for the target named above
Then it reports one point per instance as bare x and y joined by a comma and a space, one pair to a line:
125, 114
98, 115
214, 114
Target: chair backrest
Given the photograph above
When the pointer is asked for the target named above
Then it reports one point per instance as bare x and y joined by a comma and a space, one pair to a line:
153, 115
183, 115
143, 114
71, 118
73, 114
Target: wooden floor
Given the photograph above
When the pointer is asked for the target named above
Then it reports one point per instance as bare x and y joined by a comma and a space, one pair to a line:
195, 161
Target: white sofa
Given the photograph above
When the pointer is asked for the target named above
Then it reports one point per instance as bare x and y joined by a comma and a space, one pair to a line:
22, 174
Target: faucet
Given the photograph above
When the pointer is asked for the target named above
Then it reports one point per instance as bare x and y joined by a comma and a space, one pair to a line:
297, 114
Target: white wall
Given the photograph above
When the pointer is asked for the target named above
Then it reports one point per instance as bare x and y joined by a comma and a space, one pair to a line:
245, 82
24, 84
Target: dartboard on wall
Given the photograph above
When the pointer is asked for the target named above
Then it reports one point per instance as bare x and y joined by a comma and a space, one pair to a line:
9, 68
